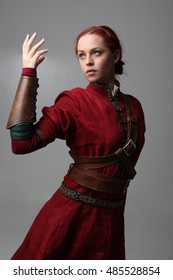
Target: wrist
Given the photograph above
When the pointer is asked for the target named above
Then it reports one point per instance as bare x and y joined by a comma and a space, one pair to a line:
29, 71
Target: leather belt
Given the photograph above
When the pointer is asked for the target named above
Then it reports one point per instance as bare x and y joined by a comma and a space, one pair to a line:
98, 181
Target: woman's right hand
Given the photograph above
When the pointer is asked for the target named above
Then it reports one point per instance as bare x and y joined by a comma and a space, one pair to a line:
32, 56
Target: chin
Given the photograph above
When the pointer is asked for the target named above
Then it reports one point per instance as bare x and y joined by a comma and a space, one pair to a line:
94, 80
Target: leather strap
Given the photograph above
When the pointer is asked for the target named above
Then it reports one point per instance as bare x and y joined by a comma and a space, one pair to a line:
80, 172
126, 162
132, 134
97, 181
94, 162
132, 121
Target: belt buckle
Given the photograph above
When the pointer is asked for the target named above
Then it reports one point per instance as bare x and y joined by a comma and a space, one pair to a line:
132, 145
126, 186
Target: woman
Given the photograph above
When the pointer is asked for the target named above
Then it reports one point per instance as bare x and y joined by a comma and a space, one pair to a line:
104, 130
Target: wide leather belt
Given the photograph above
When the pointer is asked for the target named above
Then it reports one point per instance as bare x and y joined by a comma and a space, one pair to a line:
98, 181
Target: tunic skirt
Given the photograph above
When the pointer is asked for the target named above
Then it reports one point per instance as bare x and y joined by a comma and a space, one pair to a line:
67, 229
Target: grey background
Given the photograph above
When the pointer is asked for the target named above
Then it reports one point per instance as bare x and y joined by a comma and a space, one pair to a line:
27, 182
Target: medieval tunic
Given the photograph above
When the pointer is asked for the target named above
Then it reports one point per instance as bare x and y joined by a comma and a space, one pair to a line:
69, 229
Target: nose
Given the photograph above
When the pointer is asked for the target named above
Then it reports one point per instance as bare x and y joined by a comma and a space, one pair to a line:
89, 60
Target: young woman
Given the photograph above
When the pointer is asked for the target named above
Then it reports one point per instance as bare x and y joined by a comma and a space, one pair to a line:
104, 130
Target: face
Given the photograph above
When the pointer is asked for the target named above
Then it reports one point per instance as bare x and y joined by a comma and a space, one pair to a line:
96, 60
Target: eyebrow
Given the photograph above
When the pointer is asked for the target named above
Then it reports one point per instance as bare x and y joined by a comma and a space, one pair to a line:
91, 49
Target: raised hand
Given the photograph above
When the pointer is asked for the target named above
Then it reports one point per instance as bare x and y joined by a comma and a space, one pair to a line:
32, 56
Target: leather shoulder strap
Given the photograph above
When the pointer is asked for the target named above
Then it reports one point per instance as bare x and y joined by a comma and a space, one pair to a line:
132, 134
132, 120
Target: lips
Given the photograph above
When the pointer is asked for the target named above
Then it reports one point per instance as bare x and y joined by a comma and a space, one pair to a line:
90, 71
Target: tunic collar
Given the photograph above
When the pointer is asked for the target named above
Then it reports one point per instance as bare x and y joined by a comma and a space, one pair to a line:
106, 90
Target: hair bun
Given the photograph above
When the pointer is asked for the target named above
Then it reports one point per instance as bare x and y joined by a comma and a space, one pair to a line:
119, 67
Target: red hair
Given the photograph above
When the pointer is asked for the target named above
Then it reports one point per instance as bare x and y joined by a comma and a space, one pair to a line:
110, 38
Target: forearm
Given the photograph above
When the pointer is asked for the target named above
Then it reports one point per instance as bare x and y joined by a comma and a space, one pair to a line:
26, 138
26, 146
22, 116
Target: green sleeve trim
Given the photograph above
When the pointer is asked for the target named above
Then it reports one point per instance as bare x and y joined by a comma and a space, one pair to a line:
22, 131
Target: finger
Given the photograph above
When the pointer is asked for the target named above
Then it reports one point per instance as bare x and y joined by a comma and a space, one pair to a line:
40, 59
32, 38
40, 53
26, 39
29, 41
37, 46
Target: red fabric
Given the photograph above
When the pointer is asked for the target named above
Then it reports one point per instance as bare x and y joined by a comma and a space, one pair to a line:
31, 72
65, 229
69, 230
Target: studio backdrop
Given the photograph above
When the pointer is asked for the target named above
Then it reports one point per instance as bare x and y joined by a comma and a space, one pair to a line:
28, 181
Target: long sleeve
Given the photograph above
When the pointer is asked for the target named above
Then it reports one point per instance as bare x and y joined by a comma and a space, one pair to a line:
57, 121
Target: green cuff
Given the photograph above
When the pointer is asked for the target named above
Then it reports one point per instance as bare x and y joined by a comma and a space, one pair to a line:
22, 131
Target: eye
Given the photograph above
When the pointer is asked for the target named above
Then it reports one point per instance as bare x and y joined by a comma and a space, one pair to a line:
97, 52
81, 55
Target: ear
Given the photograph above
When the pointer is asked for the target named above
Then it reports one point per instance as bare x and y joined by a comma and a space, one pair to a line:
117, 55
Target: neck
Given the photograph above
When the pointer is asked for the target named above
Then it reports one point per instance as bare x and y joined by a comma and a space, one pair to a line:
111, 86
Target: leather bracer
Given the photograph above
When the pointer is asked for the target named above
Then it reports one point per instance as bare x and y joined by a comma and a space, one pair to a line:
24, 105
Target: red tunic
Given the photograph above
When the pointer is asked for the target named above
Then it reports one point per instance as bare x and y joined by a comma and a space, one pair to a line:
64, 228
